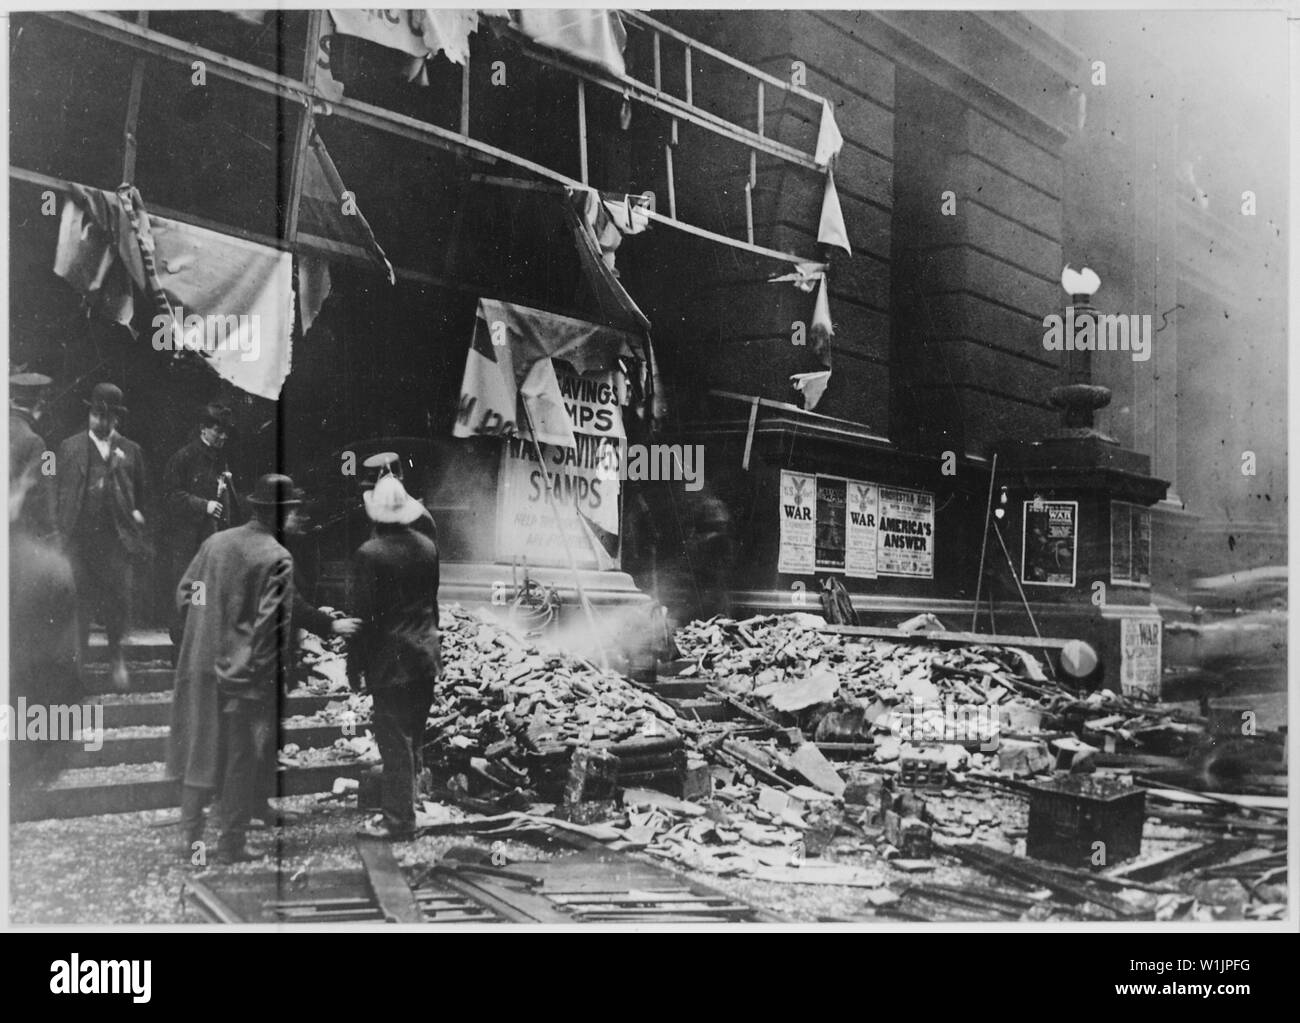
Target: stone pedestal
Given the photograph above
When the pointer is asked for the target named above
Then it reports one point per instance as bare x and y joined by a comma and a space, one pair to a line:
1106, 489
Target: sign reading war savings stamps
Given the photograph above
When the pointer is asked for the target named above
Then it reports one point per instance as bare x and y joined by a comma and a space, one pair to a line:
859, 529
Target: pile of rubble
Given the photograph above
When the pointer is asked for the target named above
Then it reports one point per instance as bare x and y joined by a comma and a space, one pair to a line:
826, 738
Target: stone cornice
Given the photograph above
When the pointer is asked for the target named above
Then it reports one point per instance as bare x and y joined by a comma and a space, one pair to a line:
1028, 88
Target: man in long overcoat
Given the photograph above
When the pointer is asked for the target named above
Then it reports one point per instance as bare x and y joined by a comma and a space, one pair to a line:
237, 596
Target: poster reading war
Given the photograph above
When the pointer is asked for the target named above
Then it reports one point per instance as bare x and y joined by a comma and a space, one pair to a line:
798, 504
1050, 542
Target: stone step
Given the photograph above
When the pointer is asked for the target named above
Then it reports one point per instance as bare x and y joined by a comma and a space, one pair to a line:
129, 788
138, 645
146, 677
148, 744
127, 710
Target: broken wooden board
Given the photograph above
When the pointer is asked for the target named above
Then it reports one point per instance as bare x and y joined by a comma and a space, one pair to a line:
384, 875
1041, 876
938, 636
820, 872
1157, 868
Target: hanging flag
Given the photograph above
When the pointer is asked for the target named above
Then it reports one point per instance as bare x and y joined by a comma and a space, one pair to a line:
829, 139
420, 34
590, 222
822, 330
804, 277
238, 293
592, 36
510, 359
812, 386
328, 209
228, 300
831, 230
313, 287
96, 254
630, 213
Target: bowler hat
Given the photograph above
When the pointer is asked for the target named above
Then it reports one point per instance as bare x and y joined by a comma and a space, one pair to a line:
390, 503
106, 397
274, 489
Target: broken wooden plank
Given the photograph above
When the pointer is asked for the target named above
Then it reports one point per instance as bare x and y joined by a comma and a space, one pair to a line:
944, 636
1269, 806
1179, 861
384, 875
1040, 876
208, 901
1193, 819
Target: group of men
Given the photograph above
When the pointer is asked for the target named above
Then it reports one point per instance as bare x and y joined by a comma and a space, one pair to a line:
237, 604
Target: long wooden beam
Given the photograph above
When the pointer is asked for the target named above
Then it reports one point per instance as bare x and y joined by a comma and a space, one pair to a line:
963, 638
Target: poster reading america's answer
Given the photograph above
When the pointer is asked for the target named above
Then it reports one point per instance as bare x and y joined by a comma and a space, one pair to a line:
905, 538
798, 525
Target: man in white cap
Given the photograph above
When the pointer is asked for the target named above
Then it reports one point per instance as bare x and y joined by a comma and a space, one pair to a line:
393, 589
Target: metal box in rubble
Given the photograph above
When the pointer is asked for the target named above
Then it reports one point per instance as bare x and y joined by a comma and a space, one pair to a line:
1068, 816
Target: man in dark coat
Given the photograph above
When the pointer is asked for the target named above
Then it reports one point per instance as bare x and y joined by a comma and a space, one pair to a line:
27, 393
100, 488
199, 494
393, 589
237, 595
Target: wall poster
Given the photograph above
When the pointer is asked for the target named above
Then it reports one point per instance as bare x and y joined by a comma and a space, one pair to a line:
1049, 549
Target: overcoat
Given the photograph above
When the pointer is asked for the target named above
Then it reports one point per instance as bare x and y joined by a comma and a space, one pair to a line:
393, 589
235, 645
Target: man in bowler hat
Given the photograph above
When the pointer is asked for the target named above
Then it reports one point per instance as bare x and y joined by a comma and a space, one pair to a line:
236, 597
199, 494
100, 491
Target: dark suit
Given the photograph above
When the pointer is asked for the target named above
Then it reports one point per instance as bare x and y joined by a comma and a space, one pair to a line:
236, 644
190, 481
96, 500
393, 589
